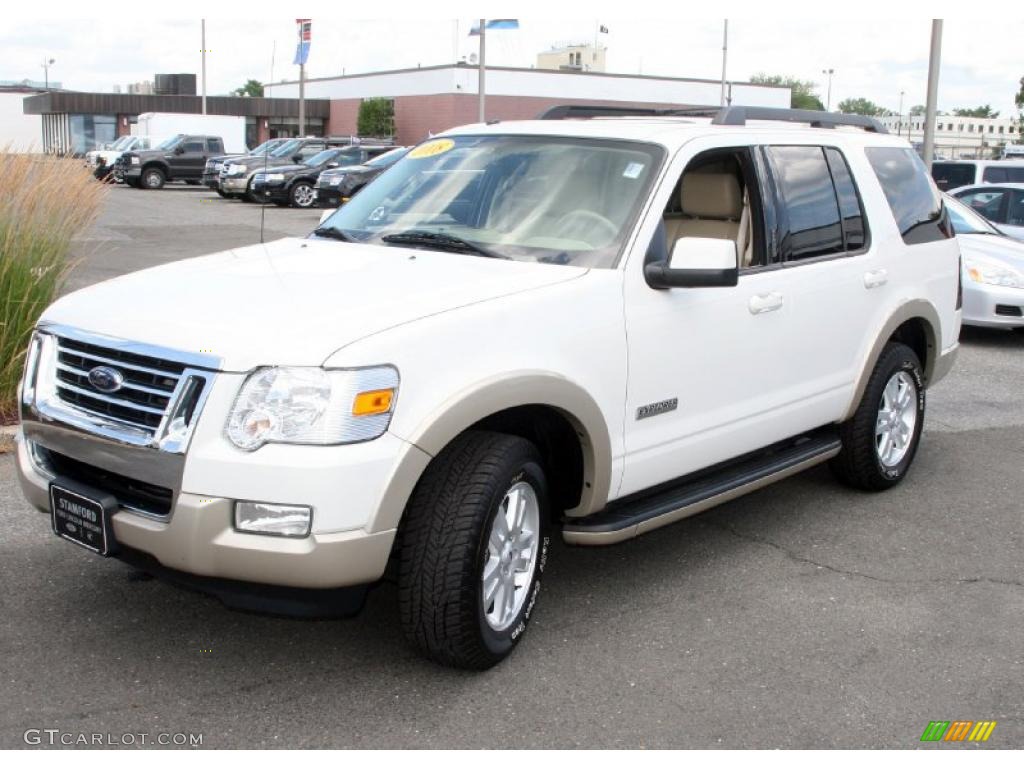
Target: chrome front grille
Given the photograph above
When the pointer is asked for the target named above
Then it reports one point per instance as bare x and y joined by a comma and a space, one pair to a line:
130, 392
144, 396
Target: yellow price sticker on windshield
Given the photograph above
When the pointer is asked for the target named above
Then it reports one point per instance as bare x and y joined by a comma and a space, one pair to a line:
431, 148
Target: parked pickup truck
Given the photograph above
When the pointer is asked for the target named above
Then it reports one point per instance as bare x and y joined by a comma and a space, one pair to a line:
180, 158
580, 327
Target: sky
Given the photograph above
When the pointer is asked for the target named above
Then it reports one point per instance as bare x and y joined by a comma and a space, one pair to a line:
872, 59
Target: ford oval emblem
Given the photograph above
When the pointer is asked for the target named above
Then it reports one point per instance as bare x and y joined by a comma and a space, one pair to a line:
106, 379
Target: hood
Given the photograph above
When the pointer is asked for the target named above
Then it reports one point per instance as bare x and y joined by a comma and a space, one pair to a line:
289, 168
256, 162
1000, 248
346, 169
293, 301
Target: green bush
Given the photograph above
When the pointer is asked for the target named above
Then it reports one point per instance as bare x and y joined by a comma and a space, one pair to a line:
44, 202
376, 117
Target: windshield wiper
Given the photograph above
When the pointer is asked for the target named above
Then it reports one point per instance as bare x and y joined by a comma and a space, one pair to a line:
441, 241
335, 234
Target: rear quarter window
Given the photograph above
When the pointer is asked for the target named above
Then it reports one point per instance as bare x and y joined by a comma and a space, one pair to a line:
915, 203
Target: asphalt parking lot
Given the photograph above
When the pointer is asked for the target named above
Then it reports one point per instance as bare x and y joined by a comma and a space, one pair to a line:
804, 615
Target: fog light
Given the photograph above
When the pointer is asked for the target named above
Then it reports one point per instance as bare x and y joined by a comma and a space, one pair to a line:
273, 519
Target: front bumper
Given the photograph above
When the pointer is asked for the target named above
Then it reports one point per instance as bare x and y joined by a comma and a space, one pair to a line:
992, 306
211, 180
271, 191
234, 184
329, 197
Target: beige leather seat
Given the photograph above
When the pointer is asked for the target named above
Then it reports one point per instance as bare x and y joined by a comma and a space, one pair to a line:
712, 206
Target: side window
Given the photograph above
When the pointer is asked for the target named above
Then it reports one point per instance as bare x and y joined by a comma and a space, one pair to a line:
809, 222
850, 208
915, 202
952, 175
1004, 175
193, 145
214, 145
988, 203
309, 150
1015, 208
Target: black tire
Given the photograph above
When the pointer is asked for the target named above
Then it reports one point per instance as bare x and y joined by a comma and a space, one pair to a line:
301, 190
222, 193
152, 178
444, 546
858, 463
192, 182
133, 183
251, 197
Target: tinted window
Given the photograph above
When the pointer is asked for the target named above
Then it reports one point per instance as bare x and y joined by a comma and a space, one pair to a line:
849, 202
809, 224
193, 146
952, 175
986, 202
214, 145
1015, 208
915, 203
998, 175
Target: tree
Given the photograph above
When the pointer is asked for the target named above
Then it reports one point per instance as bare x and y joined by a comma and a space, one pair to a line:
917, 109
860, 106
251, 88
1019, 101
376, 117
985, 111
802, 95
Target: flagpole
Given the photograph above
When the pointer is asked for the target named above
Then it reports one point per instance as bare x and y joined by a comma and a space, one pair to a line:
482, 67
725, 54
204, 64
302, 84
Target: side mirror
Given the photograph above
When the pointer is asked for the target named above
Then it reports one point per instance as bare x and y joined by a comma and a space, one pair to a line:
696, 262
179, 150
296, 158
327, 214
332, 164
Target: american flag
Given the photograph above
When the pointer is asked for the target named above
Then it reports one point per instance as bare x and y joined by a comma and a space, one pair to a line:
305, 29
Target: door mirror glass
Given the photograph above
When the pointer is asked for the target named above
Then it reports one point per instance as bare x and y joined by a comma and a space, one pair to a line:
179, 150
696, 262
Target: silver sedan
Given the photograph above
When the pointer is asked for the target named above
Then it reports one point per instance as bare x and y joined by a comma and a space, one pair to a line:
993, 270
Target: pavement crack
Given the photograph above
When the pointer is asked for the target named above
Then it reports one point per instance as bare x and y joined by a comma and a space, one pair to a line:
789, 554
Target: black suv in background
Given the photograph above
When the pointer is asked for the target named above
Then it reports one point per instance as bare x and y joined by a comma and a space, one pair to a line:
236, 175
211, 173
294, 184
181, 158
337, 185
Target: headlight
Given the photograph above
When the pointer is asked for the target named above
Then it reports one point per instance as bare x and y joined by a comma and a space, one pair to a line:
336, 180
235, 170
313, 406
135, 161
993, 273
275, 177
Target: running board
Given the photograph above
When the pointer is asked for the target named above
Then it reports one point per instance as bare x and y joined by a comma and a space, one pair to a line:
639, 513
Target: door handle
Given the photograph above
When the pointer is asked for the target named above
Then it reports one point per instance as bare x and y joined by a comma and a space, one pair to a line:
876, 278
765, 302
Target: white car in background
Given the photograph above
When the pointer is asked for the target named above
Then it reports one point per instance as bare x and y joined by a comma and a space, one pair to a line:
108, 156
993, 270
1001, 204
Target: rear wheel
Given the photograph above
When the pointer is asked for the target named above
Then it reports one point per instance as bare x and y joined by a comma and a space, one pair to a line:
880, 441
302, 195
474, 543
153, 178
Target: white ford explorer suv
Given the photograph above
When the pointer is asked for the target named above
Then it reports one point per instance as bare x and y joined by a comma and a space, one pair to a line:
587, 325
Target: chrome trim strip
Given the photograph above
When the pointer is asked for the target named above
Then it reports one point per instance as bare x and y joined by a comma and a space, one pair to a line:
192, 360
121, 363
60, 384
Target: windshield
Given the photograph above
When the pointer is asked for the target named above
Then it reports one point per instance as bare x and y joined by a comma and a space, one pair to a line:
122, 143
532, 198
321, 157
387, 158
171, 142
264, 147
288, 148
967, 222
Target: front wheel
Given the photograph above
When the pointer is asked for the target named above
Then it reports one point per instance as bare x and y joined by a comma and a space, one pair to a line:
302, 195
880, 441
474, 544
153, 178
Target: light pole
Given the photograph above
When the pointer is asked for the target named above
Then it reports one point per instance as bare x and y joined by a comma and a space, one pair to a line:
47, 63
899, 122
828, 98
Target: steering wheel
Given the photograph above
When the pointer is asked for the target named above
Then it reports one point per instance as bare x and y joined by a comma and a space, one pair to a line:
583, 221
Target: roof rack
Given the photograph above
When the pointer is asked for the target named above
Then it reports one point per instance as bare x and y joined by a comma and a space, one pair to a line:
737, 115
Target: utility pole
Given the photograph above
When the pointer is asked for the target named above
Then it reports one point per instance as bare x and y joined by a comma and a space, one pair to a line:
204, 63
828, 98
933, 92
482, 69
899, 123
47, 63
725, 56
